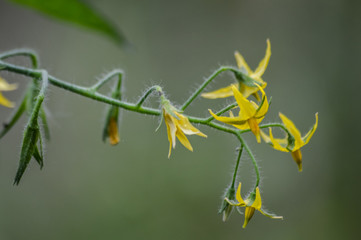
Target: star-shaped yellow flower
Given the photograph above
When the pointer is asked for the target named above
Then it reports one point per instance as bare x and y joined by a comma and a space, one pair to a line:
252, 203
294, 146
177, 126
250, 114
255, 75
4, 86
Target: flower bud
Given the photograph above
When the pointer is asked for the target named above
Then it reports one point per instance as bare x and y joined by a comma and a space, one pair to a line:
226, 208
111, 126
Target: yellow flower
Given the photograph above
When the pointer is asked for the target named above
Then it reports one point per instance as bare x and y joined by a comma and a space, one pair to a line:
295, 144
4, 86
250, 114
252, 203
177, 126
255, 75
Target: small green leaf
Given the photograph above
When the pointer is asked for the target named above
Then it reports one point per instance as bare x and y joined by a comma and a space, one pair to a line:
76, 12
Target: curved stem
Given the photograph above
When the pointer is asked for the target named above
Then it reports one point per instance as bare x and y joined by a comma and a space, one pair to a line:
236, 168
22, 52
270, 125
108, 77
147, 93
204, 84
256, 168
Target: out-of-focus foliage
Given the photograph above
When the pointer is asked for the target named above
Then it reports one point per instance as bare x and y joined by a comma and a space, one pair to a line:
76, 12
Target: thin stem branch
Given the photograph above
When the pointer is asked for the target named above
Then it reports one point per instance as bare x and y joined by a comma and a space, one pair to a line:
105, 79
270, 125
22, 52
236, 167
204, 84
147, 94
256, 168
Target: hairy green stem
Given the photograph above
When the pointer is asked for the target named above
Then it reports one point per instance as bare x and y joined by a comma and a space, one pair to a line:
256, 168
236, 167
108, 77
204, 84
22, 52
136, 107
39, 99
147, 93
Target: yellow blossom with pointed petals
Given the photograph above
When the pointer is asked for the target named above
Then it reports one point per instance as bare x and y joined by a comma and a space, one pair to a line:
294, 147
4, 86
252, 203
250, 114
255, 75
179, 126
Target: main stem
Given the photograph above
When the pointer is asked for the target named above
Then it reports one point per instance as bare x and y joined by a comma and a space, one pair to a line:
136, 107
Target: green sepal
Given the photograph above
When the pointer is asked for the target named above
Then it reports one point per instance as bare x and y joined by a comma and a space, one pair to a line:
42, 115
15, 117
227, 208
245, 79
168, 107
31, 136
38, 157
251, 198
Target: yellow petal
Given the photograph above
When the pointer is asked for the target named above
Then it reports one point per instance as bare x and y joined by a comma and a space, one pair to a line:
171, 130
255, 128
264, 107
308, 136
243, 126
187, 127
245, 106
269, 215
183, 139
297, 157
276, 142
241, 63
257, 204
229, 120
293, 130
220, 93
264, 63
246, 91
248, 214
4, 86
5, 102
239, 197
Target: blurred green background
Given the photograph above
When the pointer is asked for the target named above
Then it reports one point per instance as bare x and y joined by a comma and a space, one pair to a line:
90, 190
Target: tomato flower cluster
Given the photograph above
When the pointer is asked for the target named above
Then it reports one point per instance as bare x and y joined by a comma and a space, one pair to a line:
248, 85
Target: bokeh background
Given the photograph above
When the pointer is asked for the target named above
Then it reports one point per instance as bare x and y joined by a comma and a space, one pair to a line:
90, 190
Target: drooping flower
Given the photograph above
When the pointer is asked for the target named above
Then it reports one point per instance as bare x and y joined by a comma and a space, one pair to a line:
250, 114
244, 68
4, 86
178, 126
252, 203
291, 145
